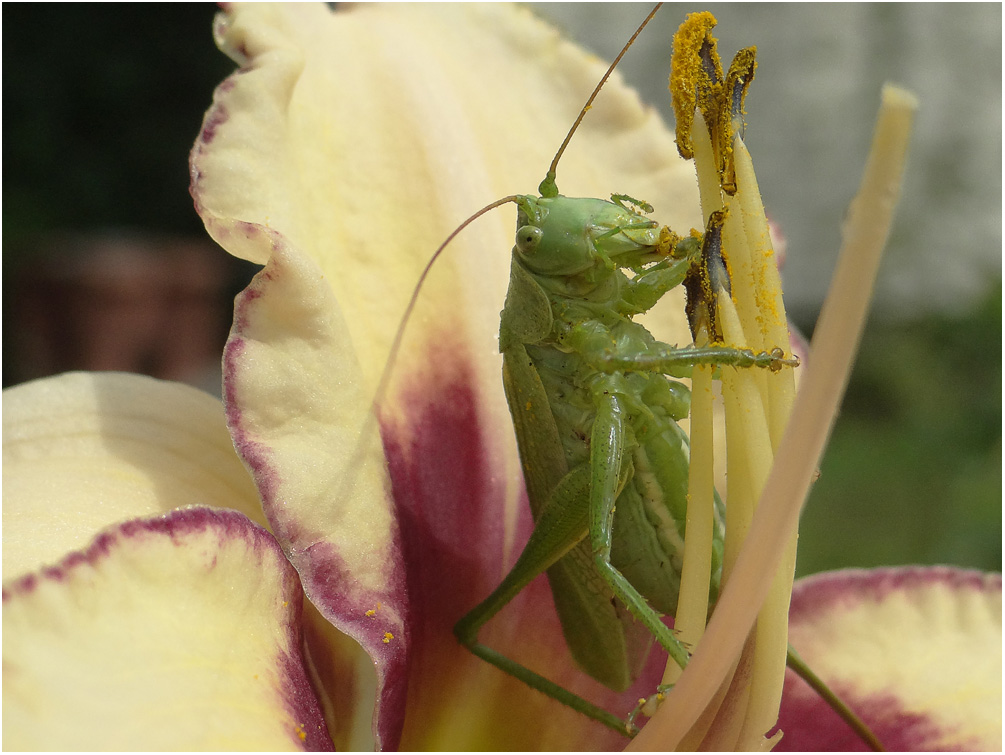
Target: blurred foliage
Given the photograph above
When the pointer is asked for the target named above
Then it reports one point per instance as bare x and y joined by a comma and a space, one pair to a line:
913, 472
102, 103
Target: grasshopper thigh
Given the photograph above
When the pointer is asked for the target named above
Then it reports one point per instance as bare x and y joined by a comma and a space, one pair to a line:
561, 525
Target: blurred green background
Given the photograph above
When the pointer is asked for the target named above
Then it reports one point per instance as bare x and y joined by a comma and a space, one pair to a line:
102, 103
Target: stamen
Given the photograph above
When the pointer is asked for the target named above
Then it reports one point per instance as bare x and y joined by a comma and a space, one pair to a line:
837, 334
757, 407
696, 573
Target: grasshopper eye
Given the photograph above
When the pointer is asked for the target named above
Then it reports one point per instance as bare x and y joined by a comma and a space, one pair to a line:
527, 238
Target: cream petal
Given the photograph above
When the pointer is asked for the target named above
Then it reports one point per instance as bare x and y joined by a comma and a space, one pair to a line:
180, 632
366, 135
82, 451
915, 651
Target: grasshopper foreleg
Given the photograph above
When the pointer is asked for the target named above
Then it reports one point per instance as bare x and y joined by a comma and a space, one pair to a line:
643, 292
678, 361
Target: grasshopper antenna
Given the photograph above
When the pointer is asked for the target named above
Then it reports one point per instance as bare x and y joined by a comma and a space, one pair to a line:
548, 187
369, 424
392, 357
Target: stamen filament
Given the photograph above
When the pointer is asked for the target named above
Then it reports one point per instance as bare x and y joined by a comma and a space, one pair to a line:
696, 572
838, 332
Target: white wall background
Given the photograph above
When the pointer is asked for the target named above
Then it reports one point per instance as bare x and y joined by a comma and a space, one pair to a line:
810, 113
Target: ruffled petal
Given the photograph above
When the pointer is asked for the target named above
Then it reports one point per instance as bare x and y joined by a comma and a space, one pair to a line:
366, 135
179, 632
915, 651
300, 420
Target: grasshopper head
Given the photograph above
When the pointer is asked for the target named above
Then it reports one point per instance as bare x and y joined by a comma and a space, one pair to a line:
567, 236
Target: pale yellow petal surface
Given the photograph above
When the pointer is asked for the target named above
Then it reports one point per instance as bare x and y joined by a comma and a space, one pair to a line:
174, 633
82, 451
344, 151
930, 639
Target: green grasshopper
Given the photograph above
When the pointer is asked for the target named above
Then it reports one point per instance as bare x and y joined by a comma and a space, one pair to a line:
596, 415
604, 460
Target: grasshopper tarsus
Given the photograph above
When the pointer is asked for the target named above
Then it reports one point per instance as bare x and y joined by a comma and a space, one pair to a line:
640, 204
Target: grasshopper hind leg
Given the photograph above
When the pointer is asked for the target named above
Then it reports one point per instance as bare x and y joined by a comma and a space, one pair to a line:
563, 524
607, 450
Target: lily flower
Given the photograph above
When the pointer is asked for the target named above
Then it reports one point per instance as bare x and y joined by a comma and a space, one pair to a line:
341, 177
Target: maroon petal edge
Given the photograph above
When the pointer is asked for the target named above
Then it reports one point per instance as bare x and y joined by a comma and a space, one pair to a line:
298, 694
